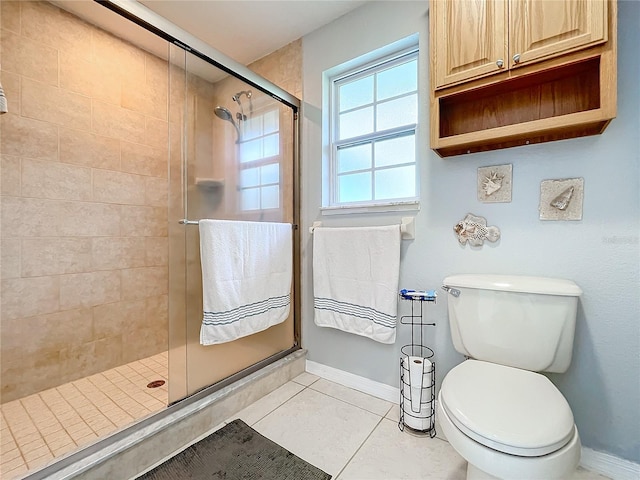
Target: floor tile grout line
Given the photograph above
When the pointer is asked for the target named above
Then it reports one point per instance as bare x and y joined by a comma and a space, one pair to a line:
40, 437
65, 425
26, 415
87, 400
305, 386
35, 424
112, 401
24, 460
79, 415
67, 407
380, 419
46, 404
126, 392
350, 403
128, 396
362, 444
276, 408
360, 447
90, 391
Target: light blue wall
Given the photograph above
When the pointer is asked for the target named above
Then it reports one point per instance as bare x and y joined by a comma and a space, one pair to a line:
601, 253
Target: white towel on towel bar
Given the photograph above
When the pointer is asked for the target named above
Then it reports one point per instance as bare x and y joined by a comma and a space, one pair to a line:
355, 280
246, 277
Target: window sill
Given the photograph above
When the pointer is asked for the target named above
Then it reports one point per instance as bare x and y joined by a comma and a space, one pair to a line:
371, 208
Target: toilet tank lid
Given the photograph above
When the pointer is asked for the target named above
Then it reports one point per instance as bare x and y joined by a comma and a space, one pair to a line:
515, 283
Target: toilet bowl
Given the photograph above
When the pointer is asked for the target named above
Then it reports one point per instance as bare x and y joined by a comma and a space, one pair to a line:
507, 423
497, 412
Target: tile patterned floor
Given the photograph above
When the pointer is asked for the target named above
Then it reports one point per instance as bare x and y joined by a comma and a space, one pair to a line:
353, 436
36, 429
350, 435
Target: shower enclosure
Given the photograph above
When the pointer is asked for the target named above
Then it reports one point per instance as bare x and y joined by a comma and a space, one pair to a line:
122, 131
232, 158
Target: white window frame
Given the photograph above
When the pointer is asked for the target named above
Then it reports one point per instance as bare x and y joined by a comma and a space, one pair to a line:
261, 162
364, 69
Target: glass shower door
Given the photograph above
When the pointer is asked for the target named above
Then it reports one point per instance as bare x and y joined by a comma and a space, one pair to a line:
235, 149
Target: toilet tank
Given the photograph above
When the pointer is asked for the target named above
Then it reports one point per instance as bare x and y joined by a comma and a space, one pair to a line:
519, 321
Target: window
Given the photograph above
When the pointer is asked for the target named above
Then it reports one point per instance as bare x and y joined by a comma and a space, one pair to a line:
260, 162
373, 117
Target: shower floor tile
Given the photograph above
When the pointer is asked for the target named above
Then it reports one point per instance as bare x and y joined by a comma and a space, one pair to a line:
36, 429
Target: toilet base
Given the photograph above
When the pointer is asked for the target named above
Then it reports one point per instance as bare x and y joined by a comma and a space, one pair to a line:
554, 466
474, 473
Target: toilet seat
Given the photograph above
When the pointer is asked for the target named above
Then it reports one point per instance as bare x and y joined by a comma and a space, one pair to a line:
507, 409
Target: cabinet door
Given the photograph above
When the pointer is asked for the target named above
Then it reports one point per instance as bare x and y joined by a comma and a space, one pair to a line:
542, 28
469, 39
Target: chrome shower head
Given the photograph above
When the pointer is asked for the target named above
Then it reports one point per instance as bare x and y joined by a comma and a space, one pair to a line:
224, 114
236, 97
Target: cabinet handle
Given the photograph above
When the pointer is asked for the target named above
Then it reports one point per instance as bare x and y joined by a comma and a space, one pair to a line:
500, 63
516, 58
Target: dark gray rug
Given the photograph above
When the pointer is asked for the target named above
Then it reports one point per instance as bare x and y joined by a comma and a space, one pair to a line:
236, 452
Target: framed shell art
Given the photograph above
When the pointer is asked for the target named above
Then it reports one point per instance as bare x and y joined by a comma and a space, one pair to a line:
494, 183
561, 199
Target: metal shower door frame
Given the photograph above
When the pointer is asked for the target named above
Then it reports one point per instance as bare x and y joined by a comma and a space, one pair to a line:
154, 23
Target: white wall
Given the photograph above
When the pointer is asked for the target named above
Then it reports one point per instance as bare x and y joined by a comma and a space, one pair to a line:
601, 252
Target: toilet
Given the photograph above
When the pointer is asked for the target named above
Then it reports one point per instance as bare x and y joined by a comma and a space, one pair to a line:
496, 411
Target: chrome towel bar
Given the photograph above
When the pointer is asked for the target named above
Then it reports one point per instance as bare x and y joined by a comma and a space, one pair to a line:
184, 221
407, 228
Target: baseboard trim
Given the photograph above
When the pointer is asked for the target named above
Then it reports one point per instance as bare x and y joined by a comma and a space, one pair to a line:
362, 384
609, 465
603, 463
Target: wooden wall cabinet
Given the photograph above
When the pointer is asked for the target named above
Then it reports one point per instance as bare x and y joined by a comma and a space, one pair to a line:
514, 72
473, 38
540, 29
468, 39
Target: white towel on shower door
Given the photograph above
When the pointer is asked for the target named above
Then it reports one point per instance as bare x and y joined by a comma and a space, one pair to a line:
355, 280
246, 277
4, 108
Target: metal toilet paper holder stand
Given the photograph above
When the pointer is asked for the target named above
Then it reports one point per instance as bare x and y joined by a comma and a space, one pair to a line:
418, 420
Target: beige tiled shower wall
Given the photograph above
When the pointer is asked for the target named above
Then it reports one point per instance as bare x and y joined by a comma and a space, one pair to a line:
84, 154
283, 67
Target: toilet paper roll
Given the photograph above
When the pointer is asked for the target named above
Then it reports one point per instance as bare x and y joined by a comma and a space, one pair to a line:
415, 382
416, 389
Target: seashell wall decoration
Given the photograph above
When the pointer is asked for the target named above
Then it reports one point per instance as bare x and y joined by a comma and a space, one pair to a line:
561, 202
473, 229
561, 199
494, 183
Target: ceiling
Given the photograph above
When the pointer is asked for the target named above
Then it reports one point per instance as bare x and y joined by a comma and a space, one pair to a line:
244, 30
247, 30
